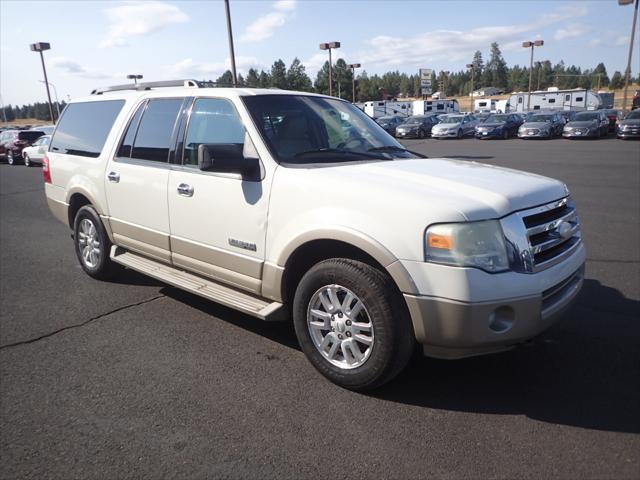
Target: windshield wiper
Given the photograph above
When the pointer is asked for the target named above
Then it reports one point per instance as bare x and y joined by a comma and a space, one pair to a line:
336, 151
393, 148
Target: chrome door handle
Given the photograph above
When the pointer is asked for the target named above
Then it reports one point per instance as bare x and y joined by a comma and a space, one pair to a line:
185, 190
113, 177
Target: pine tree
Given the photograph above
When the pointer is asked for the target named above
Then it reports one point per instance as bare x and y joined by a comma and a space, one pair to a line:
226, 79
279, 75
297, 78
264, 80
617, 81
252, 78
498, 68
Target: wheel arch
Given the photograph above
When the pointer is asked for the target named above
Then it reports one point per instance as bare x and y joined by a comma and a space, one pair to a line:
78, 198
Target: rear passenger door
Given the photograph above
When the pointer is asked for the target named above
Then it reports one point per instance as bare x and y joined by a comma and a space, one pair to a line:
218, 220
137, 176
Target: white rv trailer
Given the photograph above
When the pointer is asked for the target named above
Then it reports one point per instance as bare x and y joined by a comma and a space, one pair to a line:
421, 107
554, 99
382, 108
484, 105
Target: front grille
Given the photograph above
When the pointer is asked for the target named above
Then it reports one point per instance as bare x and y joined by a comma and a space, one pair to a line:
553, 232
557, 294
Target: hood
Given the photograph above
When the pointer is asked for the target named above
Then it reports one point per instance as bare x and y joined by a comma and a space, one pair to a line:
536, 124
492, 125
408, 126
630, 121
582, 124
471, 190
448, 125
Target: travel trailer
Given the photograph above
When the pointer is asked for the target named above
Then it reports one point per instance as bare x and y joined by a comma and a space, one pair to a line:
420, 107
554, 99
382, 108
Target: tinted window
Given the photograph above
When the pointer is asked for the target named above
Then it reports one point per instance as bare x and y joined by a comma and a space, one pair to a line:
579, 99
84, 127
212, 120
153, 139
30, 136
552, 100
127, 142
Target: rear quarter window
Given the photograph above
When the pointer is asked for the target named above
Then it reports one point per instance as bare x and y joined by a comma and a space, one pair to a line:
84, 127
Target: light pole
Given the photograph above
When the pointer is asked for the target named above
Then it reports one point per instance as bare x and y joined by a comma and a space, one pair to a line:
135, 78
627, 72
55, 91
531, 45
329, 46
472, 67
231, 51
41, 47
353, 67
539, 66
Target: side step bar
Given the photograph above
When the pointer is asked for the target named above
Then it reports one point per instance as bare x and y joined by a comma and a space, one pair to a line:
209, 289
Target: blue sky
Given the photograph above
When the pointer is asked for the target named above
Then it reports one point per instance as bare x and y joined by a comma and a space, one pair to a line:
96, 43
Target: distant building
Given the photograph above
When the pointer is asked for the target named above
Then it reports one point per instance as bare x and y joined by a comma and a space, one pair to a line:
487, 92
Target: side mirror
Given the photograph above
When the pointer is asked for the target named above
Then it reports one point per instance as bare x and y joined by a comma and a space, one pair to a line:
227, 158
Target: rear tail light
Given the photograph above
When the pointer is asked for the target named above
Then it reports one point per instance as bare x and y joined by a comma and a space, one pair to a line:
46, 171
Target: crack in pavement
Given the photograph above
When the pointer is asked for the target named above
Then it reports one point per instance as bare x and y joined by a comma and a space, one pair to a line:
79, 325
21, 192
606, 260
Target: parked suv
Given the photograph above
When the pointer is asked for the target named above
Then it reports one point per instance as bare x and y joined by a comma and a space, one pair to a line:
262, 200
13, 141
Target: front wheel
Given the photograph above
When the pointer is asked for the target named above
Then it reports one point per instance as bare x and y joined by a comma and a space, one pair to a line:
505, 134
351, 324
92, 245
460, 134
11, 160
27, 161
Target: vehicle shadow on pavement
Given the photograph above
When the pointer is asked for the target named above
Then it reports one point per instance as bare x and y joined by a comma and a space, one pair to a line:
583, 372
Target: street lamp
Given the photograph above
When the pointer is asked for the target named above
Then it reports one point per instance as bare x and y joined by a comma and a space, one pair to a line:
55, 91
231, 51
627, 72
472, 67
135, 78
353, 67
41, 47
531, 45
329, 46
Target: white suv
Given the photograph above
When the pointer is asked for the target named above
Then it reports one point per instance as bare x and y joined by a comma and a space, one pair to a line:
283, 204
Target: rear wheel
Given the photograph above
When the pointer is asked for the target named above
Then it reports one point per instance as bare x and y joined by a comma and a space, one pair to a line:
11, 160
27, 162
460, 134
505, 134
93, 245
351, 324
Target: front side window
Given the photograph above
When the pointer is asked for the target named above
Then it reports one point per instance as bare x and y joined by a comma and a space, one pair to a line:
306, 129
83, 128
155, 132
212, 121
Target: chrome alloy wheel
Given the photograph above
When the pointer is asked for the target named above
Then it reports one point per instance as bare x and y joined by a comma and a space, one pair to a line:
340, 326
89, 243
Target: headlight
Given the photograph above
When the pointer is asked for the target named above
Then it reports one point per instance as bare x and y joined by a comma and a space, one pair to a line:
469, 244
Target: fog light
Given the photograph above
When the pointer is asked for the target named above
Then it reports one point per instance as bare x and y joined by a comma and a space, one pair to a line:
501, 319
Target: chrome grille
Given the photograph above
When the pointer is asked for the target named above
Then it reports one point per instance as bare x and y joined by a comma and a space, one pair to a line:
553, 231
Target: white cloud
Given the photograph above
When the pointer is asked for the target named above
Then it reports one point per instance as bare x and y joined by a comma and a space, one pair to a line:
266, 26
73, 68
455, 45
570, 31
139, 18
188, 68
623, 40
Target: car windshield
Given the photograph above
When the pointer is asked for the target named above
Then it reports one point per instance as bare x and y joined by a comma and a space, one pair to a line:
497, 119
540, 118
386, 120
415, 121
585, 116
307, 129
452, 119
30, 136
633, 115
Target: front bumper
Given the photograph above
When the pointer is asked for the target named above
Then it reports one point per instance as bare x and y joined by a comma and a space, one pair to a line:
450, 327
446, 134
579, 134
539, 134
405, 134
629, 133
491, 134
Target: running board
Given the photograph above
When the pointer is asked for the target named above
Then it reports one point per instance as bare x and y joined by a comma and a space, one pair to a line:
209, 289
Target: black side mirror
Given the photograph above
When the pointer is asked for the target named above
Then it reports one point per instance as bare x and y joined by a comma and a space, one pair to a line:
227, 158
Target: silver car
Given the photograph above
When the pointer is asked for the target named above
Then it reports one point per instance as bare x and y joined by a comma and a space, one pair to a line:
587, 124
35, 153
455, 125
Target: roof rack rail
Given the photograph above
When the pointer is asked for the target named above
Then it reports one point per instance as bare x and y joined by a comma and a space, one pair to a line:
188, 83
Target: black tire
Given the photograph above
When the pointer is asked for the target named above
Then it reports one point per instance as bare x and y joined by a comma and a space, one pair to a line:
460, 134
104, 268
505, 134
393, 333
27, 162
11, 160
421, 134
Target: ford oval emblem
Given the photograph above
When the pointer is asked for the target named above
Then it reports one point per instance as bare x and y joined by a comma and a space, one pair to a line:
564, 229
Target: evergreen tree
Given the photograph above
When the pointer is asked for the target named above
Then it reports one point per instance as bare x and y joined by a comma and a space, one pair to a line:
342, 76
498, 68
226, 79
601, 71
264, 80
617, 81
279, 75
297, 78
322, 80
252, 78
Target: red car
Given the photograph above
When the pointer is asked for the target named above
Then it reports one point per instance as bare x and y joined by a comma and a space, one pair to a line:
13, 141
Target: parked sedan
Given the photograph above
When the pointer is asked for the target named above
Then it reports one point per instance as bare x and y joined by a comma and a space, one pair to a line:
501, 125
35, 153
630, 126
614, 116
418, 126
587, 124
542, 125
390, 124
454, 126
13, 141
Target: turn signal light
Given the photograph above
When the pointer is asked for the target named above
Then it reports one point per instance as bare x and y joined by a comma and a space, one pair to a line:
46, 171
440, 241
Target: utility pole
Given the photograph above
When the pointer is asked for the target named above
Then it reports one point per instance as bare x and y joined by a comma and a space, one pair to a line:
329, 46
232, 53
473, 85
627, 72
531, 45
41, 47
353, 67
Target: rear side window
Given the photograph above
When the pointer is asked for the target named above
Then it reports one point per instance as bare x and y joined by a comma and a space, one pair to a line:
84, 127
153, 139
30, 136
127, 142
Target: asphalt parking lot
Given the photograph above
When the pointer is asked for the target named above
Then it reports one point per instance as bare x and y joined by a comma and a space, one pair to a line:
134, 378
